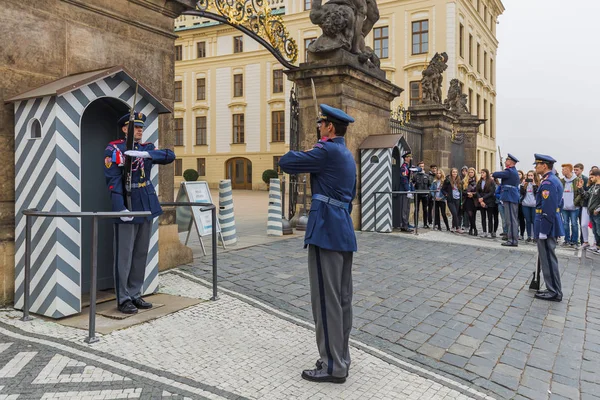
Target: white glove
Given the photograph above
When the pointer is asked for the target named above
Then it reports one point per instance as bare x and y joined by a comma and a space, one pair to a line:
414, 169
126, 219
138, 154
543, 236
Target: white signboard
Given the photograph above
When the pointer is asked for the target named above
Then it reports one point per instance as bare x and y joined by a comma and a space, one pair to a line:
195, 192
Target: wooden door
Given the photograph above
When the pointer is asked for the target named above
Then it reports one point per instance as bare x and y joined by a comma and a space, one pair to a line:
239, 170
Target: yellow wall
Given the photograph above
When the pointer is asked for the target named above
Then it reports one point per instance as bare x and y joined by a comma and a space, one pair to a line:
256, 64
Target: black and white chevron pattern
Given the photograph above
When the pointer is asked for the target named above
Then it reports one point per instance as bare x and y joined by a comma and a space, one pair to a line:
47, 177
376, 177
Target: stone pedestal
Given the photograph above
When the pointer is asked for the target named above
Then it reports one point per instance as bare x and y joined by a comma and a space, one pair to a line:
449, 139
342, 82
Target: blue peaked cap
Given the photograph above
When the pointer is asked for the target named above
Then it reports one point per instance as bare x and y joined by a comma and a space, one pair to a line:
515, 159
139, 120
541, 158
333, 114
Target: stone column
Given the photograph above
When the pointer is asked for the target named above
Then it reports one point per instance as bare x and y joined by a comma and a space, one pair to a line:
468, 125
342, 82
437, 122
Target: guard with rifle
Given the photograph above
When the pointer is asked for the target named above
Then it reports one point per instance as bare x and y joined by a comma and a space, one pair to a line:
127, 166
548, 226
509, 195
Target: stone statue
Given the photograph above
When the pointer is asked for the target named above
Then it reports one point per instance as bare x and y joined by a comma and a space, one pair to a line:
345, 23
431, 84
457, 100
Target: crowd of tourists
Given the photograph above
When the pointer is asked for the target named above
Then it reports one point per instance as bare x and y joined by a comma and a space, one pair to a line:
473, 200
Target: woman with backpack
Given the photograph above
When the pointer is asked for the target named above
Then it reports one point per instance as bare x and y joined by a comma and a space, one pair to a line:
452, 188
529, 189
470, 199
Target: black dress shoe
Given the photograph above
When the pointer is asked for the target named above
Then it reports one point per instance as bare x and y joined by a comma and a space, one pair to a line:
140, 303
407, 230
509, 244
548, 297
127, 307
319, 365
320, 375
542, 291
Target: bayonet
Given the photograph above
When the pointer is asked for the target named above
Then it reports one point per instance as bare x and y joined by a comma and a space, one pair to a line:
128, 167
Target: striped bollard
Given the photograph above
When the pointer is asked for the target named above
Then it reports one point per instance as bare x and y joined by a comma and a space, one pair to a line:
274, 227
226, 218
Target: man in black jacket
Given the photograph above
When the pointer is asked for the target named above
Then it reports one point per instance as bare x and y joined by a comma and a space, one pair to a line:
421, 182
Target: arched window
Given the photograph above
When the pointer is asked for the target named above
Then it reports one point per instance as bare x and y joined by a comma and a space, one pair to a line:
35, 129
374, 160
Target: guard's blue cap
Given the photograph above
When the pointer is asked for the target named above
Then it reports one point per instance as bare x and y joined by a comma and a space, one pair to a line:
139, 120
511, 157
407, 154
541, 158
333, 114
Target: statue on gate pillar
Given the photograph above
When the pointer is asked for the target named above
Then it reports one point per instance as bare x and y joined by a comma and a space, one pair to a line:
345, 24
431, 84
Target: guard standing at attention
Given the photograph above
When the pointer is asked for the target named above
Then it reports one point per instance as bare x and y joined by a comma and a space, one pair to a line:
331, 241
548, 226
509, 195
132, 235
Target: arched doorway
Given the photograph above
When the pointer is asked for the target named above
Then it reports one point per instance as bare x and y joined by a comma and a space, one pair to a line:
239, 170
98, 128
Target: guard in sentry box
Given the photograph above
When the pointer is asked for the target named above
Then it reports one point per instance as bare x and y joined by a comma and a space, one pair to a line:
132, 235
331, 241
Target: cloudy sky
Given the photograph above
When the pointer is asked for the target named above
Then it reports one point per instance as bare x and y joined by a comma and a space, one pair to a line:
548, 80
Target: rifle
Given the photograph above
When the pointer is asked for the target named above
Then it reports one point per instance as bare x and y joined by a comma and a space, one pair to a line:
501, 160
314, 93
127, 169
535, 282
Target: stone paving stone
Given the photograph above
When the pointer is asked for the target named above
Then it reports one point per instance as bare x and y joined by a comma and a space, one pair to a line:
442, 285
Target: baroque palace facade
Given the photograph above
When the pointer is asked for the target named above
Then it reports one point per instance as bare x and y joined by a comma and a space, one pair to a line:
232, 97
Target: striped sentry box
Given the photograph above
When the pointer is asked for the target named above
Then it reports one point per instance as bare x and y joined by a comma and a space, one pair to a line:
228, 235
274, 227
47, 177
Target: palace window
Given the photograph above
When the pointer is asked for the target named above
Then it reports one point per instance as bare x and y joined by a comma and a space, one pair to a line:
201, 166
307, 4
277, 81
178, 91
307, 43
461, 40
276, 164
238, 44
200, 130
178, 53
381, 41
416, 93
471, 50
201, 89
238, 85
277, 126
178, 131
201, 49
420, 37
238, 128
178, 167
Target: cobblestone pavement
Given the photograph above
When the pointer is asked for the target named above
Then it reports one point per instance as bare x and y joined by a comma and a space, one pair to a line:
233, 348
463, 310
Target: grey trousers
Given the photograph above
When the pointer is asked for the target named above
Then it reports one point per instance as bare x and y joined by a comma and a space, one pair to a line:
330, 274
404, 210
549, 263
131, 244
511, 213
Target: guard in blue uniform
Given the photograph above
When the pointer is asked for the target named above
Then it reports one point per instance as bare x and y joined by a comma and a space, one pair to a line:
132, 235
509, 195
331, 241
548, 226
405, 170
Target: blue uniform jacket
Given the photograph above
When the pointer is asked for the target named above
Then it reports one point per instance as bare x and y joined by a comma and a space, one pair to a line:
510, 184
405, 177
333, 174
548, 203
142, 198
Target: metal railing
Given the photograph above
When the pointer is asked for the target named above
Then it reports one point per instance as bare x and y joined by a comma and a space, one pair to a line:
415, 201
31, 213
